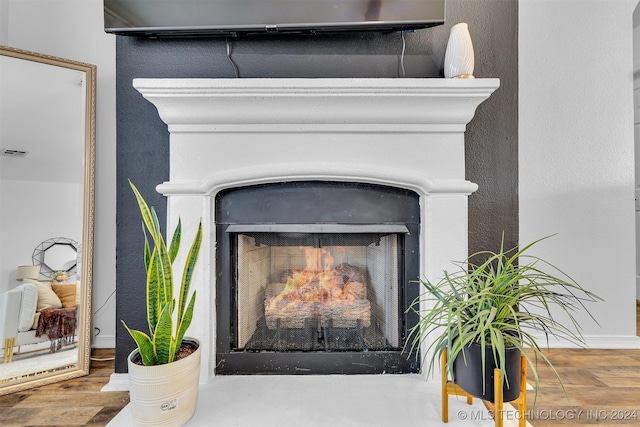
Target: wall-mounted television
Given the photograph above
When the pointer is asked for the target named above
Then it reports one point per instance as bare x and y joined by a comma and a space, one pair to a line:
192, 18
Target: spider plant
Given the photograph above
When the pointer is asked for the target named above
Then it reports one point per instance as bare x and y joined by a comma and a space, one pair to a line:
498, 300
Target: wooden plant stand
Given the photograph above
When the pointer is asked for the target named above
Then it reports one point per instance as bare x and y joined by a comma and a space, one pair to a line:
497, 406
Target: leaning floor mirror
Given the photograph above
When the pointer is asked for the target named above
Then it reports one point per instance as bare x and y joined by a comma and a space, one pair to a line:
47, 139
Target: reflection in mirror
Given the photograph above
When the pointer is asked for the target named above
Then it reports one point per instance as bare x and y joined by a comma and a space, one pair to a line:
47, 137
56, 255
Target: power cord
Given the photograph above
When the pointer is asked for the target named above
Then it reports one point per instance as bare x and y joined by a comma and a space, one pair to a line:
404, 47
107, 359
103, 304
235, 67
101, 359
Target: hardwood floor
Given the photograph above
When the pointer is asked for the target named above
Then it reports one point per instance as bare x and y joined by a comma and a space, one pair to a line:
602, 388
76, 402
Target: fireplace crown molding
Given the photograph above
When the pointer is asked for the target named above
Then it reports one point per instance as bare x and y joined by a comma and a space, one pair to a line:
324, 104
309, 171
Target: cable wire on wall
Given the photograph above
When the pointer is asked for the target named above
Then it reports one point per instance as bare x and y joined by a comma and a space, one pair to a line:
404, 47
235, 67
104, 303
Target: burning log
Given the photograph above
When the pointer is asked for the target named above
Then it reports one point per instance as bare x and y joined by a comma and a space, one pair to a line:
290, 314
349, 272
345, 306
338, 314
346, 314
354, 291
318, 292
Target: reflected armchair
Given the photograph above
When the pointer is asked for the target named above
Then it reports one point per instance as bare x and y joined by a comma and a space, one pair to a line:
17, 311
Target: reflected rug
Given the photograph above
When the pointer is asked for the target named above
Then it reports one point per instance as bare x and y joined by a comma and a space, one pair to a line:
38, 362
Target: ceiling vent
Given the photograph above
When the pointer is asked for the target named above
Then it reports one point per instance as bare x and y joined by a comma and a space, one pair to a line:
12, 153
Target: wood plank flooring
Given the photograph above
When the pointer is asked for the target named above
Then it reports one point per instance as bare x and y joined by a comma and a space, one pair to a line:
602, 388
76, 402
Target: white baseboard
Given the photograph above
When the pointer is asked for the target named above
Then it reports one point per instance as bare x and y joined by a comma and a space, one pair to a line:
594, 341
117, 382
630, 342
104, 341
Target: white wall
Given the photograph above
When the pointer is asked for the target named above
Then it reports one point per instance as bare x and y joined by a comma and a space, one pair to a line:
576, 151
73, 29
47, 218
636, 97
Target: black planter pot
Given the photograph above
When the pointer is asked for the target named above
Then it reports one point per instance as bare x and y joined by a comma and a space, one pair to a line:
469, 376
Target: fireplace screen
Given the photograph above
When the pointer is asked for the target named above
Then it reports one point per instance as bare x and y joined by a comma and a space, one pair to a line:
318, 292
315, 278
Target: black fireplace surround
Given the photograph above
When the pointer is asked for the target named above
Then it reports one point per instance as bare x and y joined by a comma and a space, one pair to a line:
322, 217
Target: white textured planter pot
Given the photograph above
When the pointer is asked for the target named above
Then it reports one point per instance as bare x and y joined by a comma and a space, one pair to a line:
164, 395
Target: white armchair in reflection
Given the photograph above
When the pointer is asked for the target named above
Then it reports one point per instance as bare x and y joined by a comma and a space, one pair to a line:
17, 313
36, 312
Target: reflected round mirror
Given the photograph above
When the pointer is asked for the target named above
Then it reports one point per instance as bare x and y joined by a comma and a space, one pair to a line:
58, 254
47, 139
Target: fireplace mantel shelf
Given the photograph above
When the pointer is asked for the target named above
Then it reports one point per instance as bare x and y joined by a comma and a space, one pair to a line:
332, 103
319, 85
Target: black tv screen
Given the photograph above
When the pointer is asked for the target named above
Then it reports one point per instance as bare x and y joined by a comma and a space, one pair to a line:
157, 18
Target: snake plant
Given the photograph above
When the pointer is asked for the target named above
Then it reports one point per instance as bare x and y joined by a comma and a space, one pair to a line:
498, 300
166, 330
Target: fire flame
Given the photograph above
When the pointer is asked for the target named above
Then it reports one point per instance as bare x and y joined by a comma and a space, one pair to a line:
320, 280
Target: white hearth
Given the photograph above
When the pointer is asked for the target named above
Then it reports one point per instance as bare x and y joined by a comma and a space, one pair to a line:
227, 133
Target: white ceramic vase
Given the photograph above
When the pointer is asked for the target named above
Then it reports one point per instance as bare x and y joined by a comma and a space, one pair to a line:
164, 395
459, 59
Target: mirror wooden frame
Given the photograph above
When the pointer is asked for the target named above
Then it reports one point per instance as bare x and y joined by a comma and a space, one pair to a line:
83, 326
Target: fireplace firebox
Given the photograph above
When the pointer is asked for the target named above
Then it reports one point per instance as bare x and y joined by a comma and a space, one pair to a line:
315, 278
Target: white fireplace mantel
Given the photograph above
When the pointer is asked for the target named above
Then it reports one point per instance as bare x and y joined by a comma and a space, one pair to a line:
226, 133
361, 104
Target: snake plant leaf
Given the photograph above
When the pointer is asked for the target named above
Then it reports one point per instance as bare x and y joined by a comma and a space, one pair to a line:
174, 246
145, 346
147, 250
162, 336
184, 325
187, 274
165, 272
144, 208
153, 295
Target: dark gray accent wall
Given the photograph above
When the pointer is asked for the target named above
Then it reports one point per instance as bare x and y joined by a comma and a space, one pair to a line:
143, 139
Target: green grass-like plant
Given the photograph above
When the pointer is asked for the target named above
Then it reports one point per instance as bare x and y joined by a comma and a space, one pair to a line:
498, 300
166, 331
